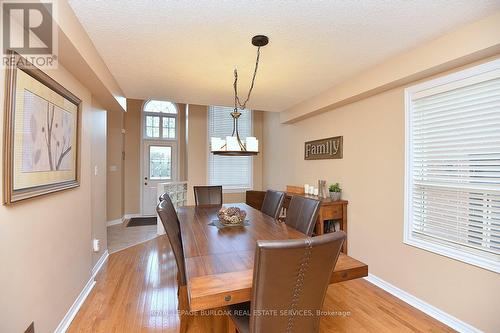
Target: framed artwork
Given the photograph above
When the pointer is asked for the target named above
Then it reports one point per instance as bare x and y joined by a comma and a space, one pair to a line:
41, 134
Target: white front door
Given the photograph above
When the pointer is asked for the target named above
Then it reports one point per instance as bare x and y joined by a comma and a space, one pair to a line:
160, 166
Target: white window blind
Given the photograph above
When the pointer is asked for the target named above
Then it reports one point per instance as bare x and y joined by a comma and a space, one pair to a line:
232, 172
453, 166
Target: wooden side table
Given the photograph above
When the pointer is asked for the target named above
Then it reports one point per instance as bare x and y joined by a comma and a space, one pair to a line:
328, 210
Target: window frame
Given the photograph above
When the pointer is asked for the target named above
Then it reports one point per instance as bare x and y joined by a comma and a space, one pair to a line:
162, 117
436, 247
228, 188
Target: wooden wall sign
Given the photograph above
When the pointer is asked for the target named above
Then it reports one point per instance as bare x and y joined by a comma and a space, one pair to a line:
323, 149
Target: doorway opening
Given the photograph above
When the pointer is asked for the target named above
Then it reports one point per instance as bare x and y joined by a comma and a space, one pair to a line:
159, 151
158, 164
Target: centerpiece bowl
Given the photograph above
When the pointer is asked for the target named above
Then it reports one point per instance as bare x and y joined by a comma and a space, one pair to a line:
231, 216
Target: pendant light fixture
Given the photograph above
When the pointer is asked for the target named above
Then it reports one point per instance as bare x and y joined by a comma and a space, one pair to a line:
233, 145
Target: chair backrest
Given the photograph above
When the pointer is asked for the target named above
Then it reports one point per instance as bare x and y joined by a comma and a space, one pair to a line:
302, 214
291, 277
163, 196
208, 195
170, 222
272, 203
255, 199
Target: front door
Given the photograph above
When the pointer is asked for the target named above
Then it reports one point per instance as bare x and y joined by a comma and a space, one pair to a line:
160, 166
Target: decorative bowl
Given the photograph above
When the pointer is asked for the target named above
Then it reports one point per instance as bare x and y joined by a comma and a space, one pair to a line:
231, 216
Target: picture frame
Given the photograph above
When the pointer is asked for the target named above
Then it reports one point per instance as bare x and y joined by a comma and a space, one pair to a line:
42, 125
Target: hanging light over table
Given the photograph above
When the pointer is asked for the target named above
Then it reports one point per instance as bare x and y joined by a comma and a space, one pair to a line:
233, 145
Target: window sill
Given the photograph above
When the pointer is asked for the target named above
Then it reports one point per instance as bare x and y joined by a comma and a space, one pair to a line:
235, 190
456, 254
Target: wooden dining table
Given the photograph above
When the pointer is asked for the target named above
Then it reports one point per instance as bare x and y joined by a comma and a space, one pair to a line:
219, 261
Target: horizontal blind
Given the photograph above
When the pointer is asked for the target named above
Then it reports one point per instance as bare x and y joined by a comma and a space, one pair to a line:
454, 166
232, 172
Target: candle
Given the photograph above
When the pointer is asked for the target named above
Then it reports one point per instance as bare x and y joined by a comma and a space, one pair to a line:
306, 188
316, 191
252, 144
311, 189
217, 144
232, 143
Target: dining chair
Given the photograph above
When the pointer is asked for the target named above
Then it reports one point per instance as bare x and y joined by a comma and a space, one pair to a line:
207, 195
290, 280
302, 214
272, 203
170, 221
163, 196
255, 199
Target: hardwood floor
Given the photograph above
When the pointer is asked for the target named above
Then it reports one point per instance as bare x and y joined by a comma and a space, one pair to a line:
136, 292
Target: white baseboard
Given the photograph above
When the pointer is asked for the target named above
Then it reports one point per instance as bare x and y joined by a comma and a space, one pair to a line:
73, 310
430, 310
129, 216
114, 222
99, 263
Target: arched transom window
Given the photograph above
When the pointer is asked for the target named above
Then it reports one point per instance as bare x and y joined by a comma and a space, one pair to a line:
160, 119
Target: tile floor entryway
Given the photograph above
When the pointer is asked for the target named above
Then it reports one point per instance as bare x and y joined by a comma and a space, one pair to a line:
121, 237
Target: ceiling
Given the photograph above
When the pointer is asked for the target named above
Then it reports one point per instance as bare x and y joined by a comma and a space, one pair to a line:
185, 51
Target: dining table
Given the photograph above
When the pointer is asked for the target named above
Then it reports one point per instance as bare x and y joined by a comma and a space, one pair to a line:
219, 260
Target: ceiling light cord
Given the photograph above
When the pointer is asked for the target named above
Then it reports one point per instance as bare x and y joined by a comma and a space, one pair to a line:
237, 102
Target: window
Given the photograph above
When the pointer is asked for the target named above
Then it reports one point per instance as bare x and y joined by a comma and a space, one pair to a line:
160, 120
452, 199
160, 107
232, 172
160, 162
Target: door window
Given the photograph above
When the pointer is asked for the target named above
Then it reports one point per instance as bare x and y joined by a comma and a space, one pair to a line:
160, 162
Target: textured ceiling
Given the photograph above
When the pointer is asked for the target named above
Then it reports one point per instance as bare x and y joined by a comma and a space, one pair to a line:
185, 51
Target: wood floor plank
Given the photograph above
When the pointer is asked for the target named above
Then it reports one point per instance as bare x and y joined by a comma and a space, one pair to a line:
136, 291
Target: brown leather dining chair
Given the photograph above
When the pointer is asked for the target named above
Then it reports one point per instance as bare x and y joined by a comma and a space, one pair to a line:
302, 214
207, 195
170, 221
163, 196
289, 285
272, 203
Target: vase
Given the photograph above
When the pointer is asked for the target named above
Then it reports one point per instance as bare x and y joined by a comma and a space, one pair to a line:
335, 196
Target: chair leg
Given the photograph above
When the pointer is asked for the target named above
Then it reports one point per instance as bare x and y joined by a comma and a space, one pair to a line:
183, 308
231, 328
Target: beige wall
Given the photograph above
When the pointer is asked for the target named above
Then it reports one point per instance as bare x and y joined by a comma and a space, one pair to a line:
98, 176
258, 131
197, 150
115, 174
132, 163
45, 243
371, 174
182, 139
